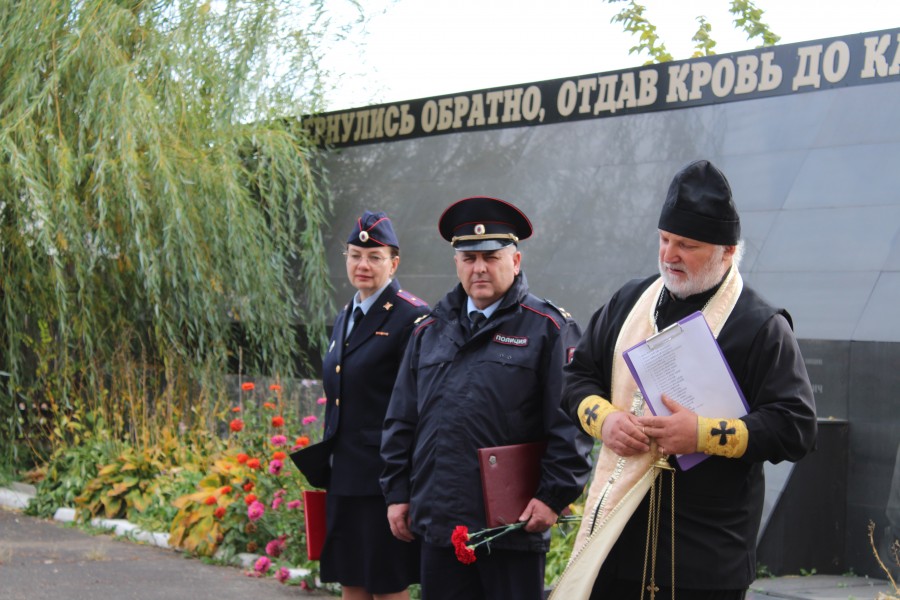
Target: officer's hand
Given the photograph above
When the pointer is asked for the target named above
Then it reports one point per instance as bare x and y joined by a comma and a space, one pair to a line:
674, 434
398, 517
622, 433
539, 516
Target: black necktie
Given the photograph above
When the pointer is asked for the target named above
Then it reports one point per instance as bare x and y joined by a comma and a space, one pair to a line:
354, 320
477, 318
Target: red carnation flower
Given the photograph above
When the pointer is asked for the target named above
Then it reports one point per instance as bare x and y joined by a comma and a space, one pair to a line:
277, 421
253, 463
210, 500
242, 458
460, 538
249, 499
220, 512
279, 456
236, 425
247, 386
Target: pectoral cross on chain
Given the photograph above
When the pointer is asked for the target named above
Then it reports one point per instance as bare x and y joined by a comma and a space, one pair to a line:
721, 431
652, 588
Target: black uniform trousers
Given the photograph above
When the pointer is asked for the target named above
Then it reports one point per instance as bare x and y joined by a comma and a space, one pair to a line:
500, 575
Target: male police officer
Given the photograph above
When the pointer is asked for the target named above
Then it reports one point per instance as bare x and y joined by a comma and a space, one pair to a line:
483, 369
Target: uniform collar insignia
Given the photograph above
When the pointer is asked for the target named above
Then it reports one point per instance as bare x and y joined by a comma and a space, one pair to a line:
387, 306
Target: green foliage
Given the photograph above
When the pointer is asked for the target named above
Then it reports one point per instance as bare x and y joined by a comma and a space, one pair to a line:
66, 474
157, 203
632, 17
702, 40
134, 482
749, 18
562, 541
746, 17
763, 571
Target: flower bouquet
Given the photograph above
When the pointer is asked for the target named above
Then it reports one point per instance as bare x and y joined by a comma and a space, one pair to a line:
464, 543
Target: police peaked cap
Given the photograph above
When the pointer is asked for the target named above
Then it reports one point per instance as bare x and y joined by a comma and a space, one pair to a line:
483, 224
699, 206
373, 230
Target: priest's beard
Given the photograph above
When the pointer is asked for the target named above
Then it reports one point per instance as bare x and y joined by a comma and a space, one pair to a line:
696, 282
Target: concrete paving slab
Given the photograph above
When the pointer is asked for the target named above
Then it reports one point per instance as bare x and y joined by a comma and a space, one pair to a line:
820, 587
45, 560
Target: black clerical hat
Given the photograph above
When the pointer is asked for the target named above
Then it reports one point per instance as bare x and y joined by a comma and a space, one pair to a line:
483, 224
699, 206
373, 230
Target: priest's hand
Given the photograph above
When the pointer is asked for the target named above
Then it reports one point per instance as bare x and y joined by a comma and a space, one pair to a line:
623, 433
674, 434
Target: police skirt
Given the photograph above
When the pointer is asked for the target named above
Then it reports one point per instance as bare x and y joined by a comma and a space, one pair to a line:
361, 551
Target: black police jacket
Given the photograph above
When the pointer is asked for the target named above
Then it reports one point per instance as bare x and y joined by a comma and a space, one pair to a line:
358, 376
455, 395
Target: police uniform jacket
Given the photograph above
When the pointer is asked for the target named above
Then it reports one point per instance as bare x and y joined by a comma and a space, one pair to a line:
455, 395
718, 503
358, 376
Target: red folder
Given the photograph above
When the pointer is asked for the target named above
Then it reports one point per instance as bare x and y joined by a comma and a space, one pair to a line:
509, 479
314, 520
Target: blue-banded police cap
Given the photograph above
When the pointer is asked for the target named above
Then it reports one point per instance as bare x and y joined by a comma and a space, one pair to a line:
483, 224
373, 230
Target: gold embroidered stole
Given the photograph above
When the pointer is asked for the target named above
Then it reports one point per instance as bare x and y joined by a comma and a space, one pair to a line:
619, 484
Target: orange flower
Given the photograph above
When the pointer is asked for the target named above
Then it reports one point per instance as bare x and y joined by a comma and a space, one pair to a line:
248, 386
269, 405
249, 499
275, 387
220, 512
242, 458
210, 500
236, 409
277, 421
236, 425
253, 463
279, 456
225, 489
248, 486
302, 441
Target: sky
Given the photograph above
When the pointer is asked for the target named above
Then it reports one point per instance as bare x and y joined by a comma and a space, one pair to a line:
421, 48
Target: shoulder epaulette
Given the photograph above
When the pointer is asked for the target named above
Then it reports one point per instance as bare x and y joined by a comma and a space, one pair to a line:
419, 328
412, 299
566, 315
542, 313
417, 321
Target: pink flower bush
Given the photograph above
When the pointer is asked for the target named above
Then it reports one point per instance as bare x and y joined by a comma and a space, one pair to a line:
283, 575
321, 400
293, 504
276, 547
275, 467
310, 419
278, 440
262, 565
256, 510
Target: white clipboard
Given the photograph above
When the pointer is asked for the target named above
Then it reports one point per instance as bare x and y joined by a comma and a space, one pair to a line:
685, 362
